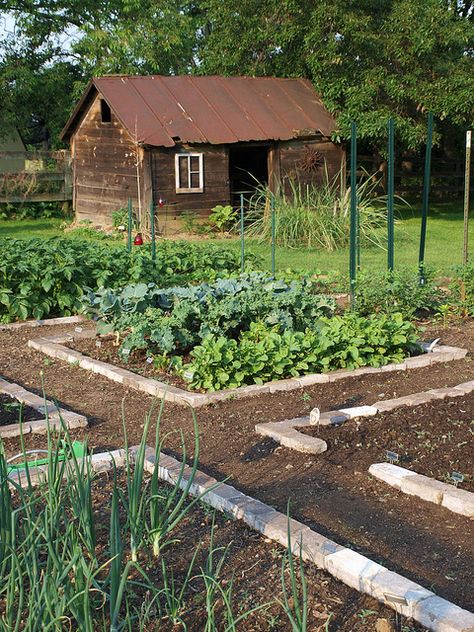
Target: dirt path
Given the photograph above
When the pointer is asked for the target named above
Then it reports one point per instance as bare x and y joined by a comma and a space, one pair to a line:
330, 492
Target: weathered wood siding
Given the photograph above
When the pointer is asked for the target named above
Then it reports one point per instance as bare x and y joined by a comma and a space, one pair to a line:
216, 184
292, 154
104, 167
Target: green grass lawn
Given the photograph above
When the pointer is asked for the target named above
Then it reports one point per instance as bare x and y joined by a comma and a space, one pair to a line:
443, 246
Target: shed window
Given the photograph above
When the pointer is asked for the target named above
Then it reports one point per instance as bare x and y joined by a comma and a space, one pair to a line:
189, 172
105, 112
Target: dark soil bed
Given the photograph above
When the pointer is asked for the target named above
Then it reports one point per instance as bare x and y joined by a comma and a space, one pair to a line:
11, 410
253, 564
428, 440
331, 492
138, 361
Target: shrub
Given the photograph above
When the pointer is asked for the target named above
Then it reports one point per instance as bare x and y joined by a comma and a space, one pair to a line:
387, 292
41, 277
223, 217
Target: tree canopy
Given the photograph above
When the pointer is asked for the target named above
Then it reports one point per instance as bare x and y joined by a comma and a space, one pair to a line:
369, 59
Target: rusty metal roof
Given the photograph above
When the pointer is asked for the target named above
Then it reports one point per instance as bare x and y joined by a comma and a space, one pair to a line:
163, 111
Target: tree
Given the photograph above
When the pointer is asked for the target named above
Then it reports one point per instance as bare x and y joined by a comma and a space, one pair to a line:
369, 59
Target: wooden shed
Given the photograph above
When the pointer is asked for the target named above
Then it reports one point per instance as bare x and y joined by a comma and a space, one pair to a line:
190, 143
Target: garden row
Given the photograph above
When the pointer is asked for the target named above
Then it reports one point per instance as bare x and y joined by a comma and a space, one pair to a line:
249, 330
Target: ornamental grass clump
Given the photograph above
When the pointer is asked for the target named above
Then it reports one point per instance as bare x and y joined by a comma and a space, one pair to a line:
317, 216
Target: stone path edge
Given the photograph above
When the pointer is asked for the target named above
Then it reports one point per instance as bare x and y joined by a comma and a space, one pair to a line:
353, 569
54, 346
457, 500
47, 322
285, 433
54, 417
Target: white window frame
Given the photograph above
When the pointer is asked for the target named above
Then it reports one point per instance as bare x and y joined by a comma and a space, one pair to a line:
188, 188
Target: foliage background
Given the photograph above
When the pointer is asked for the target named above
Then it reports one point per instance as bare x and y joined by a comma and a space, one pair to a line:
369, 59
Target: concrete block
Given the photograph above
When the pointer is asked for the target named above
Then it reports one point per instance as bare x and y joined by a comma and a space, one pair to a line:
316, 548
313, 378
418, 361
400, 593
391, 474
438, 614
223, 498
425, 488
341, 374
283, 385
459, 501
352, 568
465, 387
442, 393
358, 411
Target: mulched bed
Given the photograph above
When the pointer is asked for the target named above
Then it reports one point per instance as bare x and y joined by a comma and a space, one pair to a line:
253, 564
11, 409
328, 492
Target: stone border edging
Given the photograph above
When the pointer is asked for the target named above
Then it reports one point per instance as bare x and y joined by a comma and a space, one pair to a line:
60, 320
285, 433
353, 569
459, 501
56, 417
54, 346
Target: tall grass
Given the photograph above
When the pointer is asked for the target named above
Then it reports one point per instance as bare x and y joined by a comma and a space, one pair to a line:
317, 216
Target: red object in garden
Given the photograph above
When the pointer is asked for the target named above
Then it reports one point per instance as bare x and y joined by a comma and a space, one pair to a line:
161, 203
138, 241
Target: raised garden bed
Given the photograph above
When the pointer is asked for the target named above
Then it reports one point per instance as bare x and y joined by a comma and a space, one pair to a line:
330, 493
355, 570
11, 410
39, 413
66, 347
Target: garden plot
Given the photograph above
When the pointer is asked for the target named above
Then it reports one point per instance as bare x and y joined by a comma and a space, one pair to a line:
330, 493
35, 412
69, 347
286, 433
140, 500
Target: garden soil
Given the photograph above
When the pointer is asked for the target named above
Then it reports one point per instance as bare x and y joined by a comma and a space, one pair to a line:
331, 492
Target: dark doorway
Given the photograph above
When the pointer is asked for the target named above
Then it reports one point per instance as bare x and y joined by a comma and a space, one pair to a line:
248, 168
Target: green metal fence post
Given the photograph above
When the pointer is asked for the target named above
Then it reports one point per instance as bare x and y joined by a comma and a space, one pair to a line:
390, 194
353, 215
152, 230
129, 225
426, 196
242, 243
272, 206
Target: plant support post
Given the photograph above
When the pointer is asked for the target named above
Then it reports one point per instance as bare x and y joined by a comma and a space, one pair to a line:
353, 212
242, 242
129, 225
272, 206
467, 192
426, 196
390, 195
152, 230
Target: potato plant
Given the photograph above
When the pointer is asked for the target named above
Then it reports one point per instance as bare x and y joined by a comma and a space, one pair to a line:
47, 277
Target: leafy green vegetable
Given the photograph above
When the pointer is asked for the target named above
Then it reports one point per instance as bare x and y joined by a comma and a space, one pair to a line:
41, 277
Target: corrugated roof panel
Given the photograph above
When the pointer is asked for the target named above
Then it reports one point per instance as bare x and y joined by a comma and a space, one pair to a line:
168, 113
132, 109
163, 110
197, 106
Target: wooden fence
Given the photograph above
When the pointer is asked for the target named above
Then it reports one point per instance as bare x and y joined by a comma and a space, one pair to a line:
447, 176
39, 176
